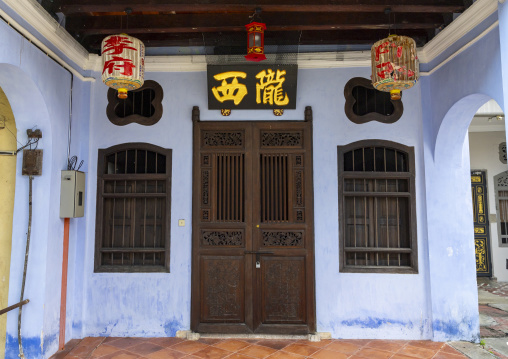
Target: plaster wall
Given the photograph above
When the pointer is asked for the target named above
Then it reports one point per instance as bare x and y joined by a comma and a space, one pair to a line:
348, 305
38, 91
450, 97
484, 153
7, 185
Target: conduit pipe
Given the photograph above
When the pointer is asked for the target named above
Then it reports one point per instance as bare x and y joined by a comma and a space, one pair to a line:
21, 355
63, 297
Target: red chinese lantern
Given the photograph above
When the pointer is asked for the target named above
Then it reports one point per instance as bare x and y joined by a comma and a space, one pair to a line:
123, 61
255, 41
395, 65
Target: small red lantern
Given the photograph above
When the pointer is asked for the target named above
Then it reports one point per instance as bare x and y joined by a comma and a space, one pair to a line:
255, 41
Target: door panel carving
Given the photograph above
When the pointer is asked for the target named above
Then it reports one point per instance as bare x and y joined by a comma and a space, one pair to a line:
222, 289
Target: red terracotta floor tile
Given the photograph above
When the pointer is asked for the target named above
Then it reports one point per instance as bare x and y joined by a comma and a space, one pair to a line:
104, 349
359, 342
257, 351
189, 347
166, 354
373, 353
145, 348
387, 345
301, 349
125, 343
275, 344
328, 354
343, 347
320, 344
284, 355
236, 356
209, 341
448, 349
401, 356
417, 352
426, 344
166, 342
212, 353
122, 354
231, 345
110, 339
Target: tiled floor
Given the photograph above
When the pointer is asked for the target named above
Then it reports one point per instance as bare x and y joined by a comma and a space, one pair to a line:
174, 348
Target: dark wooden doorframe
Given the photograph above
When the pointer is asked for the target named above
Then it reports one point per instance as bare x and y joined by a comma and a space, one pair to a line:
253, 202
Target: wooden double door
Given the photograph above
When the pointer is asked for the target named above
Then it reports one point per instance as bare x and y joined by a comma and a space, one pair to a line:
253, 248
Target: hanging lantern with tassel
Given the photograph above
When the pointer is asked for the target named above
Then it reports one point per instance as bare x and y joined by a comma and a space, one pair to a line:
123, 61
395, 65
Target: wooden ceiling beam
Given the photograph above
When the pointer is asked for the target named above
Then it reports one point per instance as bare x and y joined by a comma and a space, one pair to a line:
198, 23
184, 6
330, 37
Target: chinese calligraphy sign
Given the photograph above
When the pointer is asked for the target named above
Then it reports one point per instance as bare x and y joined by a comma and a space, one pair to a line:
252, 87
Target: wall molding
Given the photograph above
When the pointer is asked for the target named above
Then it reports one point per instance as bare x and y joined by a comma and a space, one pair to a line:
33, 13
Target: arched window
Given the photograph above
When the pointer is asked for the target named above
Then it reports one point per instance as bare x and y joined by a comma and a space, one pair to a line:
133, 208
377, 215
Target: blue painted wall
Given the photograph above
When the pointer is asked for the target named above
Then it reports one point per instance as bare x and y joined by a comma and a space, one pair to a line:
348, 305
38, 90
438, 303
451, 96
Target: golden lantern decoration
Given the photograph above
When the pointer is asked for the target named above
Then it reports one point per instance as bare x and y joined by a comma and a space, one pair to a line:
123, 63
395, 65
255, 41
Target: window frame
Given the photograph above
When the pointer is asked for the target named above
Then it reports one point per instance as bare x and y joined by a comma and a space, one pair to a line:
398, 107
114, 101
409, 175
102, 177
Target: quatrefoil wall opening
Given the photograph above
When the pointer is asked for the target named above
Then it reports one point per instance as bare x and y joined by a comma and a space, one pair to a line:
142, 106
364, 103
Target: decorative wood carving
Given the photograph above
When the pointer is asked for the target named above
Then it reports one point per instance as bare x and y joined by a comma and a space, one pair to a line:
222, 139
205, 183
284, 285
281, 139
223, 288
222, 238
282, 239
300, 217
298, 161
371, 95
299, 188
205, 161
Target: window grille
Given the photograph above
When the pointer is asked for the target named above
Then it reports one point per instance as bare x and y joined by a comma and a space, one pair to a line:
143, 106
133, 206
377, 211
364, 103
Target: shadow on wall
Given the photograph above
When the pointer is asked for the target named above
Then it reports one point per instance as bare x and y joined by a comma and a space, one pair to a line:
29, 109
8, 181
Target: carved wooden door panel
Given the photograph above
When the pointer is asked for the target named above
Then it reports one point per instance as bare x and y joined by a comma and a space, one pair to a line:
253, 258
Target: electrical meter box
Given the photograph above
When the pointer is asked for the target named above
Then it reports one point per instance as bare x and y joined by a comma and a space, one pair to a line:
72, 195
